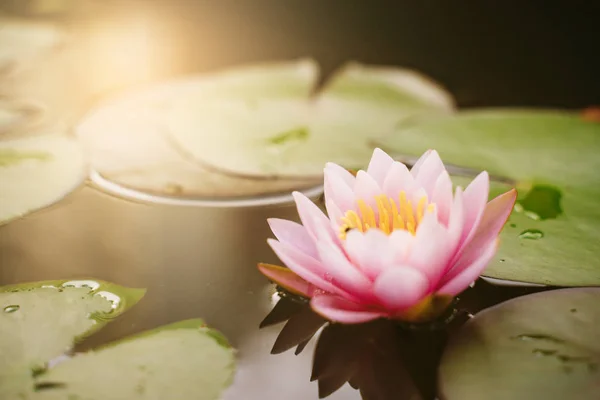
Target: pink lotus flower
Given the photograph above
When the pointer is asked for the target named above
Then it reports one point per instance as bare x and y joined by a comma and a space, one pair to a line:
397, 244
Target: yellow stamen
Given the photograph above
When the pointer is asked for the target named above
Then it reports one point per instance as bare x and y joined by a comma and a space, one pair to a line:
384, 217
368, 215
387, 215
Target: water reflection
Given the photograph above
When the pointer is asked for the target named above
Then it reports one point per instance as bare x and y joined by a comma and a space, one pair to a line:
382, 359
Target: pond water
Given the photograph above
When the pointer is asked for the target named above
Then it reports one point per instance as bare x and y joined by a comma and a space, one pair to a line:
151, 215
195, 262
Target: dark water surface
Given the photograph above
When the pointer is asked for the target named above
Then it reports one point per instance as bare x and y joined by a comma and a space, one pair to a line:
194, 262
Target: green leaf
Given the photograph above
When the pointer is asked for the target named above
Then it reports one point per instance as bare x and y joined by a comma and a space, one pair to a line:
185, 360
126, 138
10, 157
36, 172
553, 238
252, 83
300, 133
235, 136
540, 346
387, 86
41, 321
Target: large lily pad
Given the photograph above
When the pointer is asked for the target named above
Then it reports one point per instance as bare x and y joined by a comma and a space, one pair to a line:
128, 146
553, 238
541, 346
40, 321
36, 172
185, 360
261, 136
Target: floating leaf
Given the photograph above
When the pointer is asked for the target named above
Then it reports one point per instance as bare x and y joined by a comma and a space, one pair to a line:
540, 346
36, 172
235, 135
553, 237
40, 321
293, 79
388, 86
133, 155
185, 360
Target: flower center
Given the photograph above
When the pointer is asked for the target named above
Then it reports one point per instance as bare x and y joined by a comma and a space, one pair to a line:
389, 217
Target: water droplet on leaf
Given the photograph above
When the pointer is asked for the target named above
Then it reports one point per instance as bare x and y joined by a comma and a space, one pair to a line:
92, 285
533, 234
543, 352
112, 298
534, 337
11, 308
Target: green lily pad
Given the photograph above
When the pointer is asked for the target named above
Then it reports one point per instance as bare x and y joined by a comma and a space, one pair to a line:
266, 136
540, 346
36, 172
126, 142
40, 321
185, 360
387, 87
254, 82
553, 237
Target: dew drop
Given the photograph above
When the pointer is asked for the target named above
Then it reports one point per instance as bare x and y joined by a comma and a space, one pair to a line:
532, 215
12, 308
543, 352
112, 298
328, 277
92, 285
275, 298
535, 337
533, 234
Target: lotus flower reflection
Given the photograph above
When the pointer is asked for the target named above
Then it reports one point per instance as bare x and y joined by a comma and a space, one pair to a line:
397, 243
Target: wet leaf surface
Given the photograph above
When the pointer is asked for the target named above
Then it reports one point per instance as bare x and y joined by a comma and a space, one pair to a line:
553, 237
41, 321
543, 345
